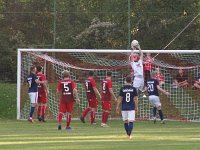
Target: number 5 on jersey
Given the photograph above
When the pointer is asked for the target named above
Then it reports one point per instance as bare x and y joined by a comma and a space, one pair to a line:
66, 88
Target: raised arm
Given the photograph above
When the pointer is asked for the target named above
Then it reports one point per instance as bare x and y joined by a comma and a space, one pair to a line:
141, 53
133, 50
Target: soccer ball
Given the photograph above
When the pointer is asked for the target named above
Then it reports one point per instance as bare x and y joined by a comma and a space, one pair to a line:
134, 43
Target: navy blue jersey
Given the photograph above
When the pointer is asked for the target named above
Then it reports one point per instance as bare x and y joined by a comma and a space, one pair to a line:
31, 83
152, 87
128, 93
198, 76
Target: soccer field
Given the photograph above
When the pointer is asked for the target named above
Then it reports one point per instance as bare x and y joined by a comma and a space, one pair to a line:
41, 136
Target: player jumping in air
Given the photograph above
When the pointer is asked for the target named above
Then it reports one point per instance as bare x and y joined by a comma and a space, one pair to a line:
91, 92
129, 99
33, 90
42, 95
137, 66
107, 94
152, 89
67, 88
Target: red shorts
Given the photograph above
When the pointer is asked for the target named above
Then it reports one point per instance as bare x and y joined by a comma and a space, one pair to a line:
93, 103
66, 106
42, 98
106, 105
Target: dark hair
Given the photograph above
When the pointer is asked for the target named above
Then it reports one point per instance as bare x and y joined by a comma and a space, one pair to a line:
128, 79
91, 73
109, 74
32, 68
39, 68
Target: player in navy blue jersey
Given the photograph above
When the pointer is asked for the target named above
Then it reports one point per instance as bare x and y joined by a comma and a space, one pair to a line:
33, 90
152, 89
129, 99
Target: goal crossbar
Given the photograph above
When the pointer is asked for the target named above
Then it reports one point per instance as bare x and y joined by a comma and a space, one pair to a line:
108, 51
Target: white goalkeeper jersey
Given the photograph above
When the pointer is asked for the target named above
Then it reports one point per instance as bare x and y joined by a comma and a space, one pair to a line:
137, 68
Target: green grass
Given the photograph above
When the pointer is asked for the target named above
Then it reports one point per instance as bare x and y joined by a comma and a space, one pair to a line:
8, 100
146, 136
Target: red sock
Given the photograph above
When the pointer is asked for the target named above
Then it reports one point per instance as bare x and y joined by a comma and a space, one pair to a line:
60, 118
103, 117
93, 115
39, 110
69, 118
86, 111
43, 110
106, 114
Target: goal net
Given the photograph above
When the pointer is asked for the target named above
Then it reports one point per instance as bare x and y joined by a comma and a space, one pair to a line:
182, 104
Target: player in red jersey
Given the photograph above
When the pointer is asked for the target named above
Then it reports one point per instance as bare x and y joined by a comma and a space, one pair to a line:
107, 94
67, 88
160, 77
91, 92
148, 66
42, 95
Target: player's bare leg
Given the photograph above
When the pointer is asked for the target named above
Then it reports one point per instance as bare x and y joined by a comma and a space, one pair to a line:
93, 116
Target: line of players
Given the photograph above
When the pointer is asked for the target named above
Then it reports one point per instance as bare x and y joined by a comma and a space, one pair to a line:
67, 94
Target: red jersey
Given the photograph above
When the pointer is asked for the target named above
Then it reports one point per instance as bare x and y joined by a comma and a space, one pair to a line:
106, 84
90, 83
41, 87
160, 77
66, 87
148, 65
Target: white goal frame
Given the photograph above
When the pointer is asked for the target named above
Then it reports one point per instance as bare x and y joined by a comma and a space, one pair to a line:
20, 50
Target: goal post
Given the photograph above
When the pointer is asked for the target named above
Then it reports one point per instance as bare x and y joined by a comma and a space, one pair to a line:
184, 102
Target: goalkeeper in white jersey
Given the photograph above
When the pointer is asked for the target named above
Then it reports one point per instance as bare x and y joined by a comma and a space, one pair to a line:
137, 66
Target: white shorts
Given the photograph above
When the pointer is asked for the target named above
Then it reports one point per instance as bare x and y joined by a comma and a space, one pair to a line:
33, 97
154, 100
138, 83
128, 115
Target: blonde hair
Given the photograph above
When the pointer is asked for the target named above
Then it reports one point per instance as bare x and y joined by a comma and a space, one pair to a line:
153, 74
66, 73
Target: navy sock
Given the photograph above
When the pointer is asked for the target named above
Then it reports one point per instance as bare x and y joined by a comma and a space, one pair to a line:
154, 111
160, 114
126, 127
32, 111
130, 128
